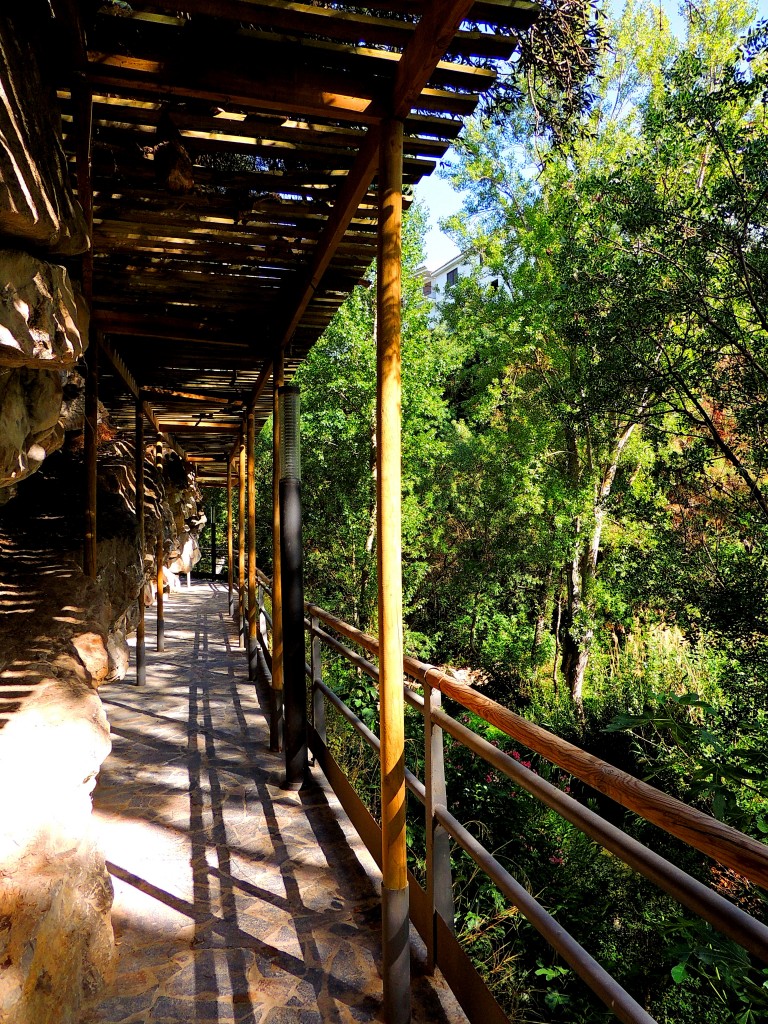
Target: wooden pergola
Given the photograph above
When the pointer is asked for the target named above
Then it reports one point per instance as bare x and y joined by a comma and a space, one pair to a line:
232, 153
241, 163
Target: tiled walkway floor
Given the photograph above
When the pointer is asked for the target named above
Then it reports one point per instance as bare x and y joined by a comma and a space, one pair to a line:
235, 901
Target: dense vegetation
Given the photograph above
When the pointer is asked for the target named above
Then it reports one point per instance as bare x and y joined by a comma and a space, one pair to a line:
586, 499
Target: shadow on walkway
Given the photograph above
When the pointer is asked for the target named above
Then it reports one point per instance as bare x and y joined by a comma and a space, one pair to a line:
235, 901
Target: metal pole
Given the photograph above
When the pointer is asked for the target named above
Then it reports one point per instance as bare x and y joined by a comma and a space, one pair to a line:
213, 541
276, 693
241, 550
253, 642
141, 650
90, 442
291, 572
160, 552
439, 881
395, 911
230, 546
318, 700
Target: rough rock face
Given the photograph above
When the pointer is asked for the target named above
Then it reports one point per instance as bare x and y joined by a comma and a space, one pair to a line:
56, 943
30, 403
172, 502
43, 319
37, 206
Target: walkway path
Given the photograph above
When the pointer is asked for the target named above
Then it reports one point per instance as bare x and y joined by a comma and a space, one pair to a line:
235, 901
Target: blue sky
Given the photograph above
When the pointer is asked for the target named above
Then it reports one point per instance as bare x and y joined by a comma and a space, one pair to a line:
438, 196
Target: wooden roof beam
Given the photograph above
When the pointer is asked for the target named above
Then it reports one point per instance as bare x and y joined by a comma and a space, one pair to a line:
130, 382
211, 398
199, 428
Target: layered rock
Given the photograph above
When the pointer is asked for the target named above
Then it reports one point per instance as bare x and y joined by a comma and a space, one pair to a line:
56, 943
30, 405
37, 205
43, 318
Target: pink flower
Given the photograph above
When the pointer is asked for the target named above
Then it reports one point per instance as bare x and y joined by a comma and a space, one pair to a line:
516, 754
555, 860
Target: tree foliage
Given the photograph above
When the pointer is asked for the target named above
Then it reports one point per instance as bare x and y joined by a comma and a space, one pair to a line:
585, 473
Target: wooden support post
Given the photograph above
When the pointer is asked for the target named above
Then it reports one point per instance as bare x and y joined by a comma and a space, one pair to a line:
276, 693
395, 911
253, 642
90, 442
141, 651
439, 881
241, 550
160, 552
230, 546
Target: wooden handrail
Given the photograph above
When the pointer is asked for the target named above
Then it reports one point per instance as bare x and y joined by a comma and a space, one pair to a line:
697, 829
725, 844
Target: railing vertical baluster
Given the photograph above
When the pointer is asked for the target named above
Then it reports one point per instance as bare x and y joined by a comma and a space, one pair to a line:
439, 880
318, 700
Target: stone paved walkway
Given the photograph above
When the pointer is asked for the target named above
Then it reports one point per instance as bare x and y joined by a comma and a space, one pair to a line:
234, 900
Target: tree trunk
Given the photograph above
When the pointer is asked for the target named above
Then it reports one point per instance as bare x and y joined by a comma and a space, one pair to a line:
580, 575
370, 540
545, 597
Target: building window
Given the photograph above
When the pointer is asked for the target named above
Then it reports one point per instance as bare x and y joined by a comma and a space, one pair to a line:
452, 276
427, 289
495, 284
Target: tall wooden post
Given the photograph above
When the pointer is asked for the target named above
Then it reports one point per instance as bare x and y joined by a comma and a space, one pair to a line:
395, 940
241, 549
253, 642
230, 547
141, 651
276, 694
90, 442
160, 552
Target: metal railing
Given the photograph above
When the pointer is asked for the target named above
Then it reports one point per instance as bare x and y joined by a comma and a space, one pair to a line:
432, 905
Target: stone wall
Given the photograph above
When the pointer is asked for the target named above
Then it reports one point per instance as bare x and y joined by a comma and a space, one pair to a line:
56, 943
43, 318
62, 635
